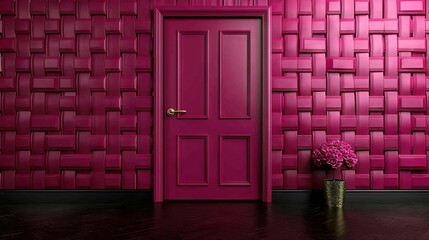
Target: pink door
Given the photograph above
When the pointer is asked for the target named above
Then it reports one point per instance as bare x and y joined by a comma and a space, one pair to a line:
212, 69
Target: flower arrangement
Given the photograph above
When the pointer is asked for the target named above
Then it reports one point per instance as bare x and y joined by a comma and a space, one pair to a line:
335, 154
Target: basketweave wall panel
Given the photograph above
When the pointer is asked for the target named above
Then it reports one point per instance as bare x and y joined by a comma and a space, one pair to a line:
76, 91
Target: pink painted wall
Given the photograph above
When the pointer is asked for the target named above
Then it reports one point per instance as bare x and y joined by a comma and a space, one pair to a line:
76, 85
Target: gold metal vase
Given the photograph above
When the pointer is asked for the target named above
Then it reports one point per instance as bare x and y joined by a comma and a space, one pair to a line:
334, 192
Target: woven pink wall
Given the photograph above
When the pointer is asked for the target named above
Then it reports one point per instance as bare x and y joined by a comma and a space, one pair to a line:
76, 85
356, 71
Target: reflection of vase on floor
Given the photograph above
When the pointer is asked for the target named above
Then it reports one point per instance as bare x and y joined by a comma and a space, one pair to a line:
334, 192
335, 222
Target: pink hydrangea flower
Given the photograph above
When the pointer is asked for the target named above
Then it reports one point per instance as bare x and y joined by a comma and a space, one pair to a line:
334, 154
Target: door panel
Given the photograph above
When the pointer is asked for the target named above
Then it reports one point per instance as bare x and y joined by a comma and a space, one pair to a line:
192, 160
212, 69
234, 74
192, 82
234, 160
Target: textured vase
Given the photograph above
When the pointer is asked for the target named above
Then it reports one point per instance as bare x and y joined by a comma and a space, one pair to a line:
334, 192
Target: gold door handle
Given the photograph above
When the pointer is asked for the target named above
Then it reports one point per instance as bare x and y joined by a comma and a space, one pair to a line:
171, 112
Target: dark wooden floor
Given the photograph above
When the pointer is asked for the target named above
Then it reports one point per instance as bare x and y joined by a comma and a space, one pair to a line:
214, 220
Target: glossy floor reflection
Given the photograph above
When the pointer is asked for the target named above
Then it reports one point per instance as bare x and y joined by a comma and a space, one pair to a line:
214, 220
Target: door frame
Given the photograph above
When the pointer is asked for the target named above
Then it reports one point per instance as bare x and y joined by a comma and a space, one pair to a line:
160, 13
